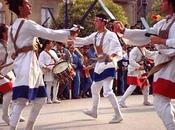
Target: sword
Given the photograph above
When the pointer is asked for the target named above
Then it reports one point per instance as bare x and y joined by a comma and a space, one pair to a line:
108, 12
149, 31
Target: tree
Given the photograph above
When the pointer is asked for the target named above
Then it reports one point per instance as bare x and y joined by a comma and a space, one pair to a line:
156, 13
77, 8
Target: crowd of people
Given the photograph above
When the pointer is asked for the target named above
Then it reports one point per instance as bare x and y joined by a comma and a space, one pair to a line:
67, 66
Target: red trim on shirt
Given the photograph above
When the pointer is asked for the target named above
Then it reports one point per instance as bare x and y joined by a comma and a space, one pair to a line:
6, 87
164, 87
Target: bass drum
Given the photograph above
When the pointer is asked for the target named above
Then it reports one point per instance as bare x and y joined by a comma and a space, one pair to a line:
63, 71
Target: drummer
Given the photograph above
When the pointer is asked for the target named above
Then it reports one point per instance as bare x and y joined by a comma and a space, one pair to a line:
65, 55
6, 79
47, 60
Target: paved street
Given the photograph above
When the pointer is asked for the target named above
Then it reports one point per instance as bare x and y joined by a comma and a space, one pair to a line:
68, 116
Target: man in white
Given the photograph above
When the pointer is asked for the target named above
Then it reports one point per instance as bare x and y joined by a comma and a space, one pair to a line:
164, 78
47, 60
6, 79
29, 83
135, 74
108, 48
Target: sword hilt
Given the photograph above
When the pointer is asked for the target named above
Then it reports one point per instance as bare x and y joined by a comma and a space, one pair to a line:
150, 34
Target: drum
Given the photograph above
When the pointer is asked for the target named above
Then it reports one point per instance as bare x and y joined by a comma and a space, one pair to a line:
63, 71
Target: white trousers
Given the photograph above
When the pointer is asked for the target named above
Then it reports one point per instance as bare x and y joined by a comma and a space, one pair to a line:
55, 85
6, 102
19, 105
131, 89
165, 110
107, 92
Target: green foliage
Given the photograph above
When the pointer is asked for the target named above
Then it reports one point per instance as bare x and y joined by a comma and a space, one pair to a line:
155, 15
77, 8
156, 6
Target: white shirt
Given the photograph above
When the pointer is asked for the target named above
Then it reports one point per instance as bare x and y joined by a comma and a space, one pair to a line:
26, 66
45, 60
111, 45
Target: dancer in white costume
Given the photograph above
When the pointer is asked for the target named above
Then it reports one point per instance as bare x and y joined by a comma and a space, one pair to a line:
107, 45
135, 74
29, 83
164, 78
47, 60
6, 82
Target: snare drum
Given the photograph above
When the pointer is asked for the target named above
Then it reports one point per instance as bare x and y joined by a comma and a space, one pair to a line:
63, 71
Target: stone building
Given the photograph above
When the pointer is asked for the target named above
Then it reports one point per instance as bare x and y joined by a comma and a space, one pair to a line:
135, 8
39, 7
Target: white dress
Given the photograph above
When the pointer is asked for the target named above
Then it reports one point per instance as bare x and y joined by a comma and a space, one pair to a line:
164, 80
29, 81
111, 45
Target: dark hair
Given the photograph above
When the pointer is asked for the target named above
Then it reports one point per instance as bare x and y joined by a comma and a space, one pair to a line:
14, 5
44, 44
102, 16
172, 2
3, 28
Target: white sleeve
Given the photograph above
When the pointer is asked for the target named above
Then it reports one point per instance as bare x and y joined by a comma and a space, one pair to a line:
37, 30
136, 36
42, 60
171, 42
115, 45
151, 54
79, 42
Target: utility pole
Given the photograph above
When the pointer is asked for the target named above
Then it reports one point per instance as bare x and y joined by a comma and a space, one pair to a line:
66, 2
144, 5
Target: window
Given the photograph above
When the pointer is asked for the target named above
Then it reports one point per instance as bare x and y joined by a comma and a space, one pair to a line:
46, 16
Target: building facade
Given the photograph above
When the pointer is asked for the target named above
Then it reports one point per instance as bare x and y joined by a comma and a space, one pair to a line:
41, 11
135, 9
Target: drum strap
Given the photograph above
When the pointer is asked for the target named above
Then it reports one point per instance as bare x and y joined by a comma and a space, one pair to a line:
51, 56
164, 33
143, 56
6, 54
99, 49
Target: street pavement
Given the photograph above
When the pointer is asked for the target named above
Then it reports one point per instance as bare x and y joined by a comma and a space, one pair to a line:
68, 116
